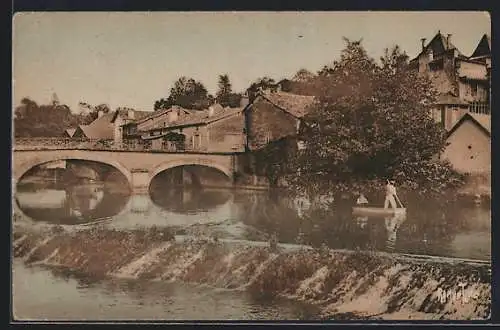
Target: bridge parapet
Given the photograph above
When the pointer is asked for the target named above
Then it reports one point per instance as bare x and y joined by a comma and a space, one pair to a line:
23, 144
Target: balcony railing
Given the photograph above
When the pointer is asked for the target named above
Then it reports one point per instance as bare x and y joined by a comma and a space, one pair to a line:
479, 107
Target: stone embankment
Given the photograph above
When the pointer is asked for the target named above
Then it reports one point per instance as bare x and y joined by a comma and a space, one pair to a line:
342, 284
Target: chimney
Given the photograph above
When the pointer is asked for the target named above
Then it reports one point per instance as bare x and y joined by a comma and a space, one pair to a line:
100, 113
131, 114
423, 43
244, 101
448, 38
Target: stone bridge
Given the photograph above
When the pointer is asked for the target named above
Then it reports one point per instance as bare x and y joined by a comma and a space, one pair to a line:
139, 167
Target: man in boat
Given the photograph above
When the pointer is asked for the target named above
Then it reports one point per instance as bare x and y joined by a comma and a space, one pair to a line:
390, 193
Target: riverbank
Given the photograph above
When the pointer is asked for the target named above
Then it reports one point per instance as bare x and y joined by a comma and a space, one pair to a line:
341, 284
477, 187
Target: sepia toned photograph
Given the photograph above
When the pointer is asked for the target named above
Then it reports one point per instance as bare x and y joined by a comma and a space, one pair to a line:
243, 166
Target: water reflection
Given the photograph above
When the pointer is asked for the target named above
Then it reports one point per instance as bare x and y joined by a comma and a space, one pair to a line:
69, 204
189, 200
392, 223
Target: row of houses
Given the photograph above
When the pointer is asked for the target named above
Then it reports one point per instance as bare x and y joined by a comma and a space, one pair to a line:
462, 108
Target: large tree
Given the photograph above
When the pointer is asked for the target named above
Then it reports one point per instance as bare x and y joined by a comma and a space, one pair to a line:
225, 95
187, 93
303, 83
51, 120
372, 122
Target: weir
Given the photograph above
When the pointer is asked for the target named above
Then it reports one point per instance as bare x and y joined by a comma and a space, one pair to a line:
364, 284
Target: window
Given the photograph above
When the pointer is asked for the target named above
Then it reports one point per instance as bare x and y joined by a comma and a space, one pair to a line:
473, 89
268, 137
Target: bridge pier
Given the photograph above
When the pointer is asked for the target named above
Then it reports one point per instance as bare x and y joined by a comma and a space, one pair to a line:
140, 203
140, 180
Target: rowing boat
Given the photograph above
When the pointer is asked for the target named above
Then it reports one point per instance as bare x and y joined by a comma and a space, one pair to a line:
378, 211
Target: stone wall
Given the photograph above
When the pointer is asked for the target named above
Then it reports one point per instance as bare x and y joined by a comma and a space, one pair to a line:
266, 123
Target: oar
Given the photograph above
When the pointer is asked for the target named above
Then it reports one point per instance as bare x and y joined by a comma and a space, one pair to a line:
397, 198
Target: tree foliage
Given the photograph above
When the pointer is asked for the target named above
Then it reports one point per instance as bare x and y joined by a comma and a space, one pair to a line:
372, 122
303, 75
33, 120
91, 112
264, 83
187, 93
225, 95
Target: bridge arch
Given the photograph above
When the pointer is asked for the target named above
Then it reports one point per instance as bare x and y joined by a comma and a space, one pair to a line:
21, 168
185, 162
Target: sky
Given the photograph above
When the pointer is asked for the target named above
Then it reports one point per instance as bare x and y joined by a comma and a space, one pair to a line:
133, 58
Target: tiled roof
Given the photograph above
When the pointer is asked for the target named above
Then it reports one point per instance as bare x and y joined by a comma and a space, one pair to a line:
474, 75
297, 105
450, 99
483, 48
101, 128
440, 45
153, 114
138, 115
203, 117
482, 121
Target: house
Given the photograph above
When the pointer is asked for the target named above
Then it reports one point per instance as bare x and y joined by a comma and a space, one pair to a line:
216, 129
273, 116
99, 129
69, 132
107, 126
162, 118
133, 130
469, 144
123, 116
463, 82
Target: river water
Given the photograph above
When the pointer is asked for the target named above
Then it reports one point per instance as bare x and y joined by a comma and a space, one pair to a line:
461, 231
49, 294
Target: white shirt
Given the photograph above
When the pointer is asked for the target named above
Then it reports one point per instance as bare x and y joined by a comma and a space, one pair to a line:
390, 190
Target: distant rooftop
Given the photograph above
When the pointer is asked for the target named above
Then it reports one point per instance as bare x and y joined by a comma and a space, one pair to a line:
296, 105
101, 128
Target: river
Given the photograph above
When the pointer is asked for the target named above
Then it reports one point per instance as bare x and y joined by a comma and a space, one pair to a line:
65, 297
460, 231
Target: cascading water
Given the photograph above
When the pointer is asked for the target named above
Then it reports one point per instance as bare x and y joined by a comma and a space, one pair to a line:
338, 282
